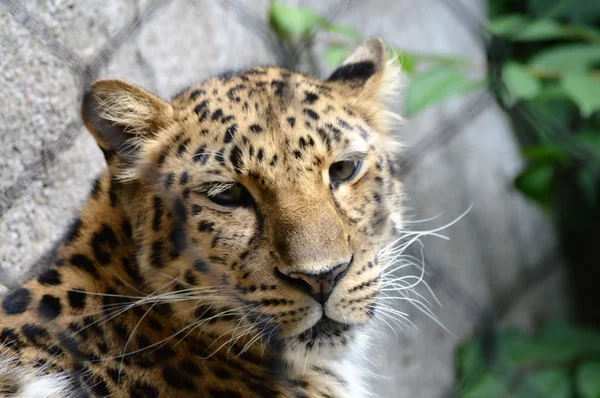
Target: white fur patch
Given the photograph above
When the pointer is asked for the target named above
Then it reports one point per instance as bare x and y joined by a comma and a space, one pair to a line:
18, 381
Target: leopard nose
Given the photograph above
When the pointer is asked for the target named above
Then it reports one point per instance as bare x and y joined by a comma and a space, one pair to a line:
318, 286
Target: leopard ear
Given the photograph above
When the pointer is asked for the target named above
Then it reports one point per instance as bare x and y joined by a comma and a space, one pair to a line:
121, 115
368, 77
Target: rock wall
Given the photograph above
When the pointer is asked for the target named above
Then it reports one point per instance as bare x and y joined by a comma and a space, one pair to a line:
459, 154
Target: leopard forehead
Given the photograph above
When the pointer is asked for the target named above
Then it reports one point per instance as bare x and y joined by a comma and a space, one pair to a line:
261, 122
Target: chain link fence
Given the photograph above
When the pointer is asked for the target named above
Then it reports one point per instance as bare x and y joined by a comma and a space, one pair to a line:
480, 308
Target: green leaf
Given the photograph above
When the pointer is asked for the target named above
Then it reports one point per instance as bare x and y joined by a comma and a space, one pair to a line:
546, 154
435, 85
522, 350
293, 21
549, 383
336, 53
590, 138
519, 82
541, 29
507, 25
486, 385
587, 380
584, 90
567, 58
536, 181
408, 62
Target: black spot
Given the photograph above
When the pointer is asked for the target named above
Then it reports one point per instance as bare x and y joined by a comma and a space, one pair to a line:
34, 333
106, 236
292, 121
74, 230
235, 157
201, 156
143, 390
163, 156
9, 337
255, 128
154, 324
115, 375
169, 180
178, 239
182, 147
70, 344
96, 187
197, 93
279, 86
120, 330
302, 143
273, 161
220, 156
76, 299
310, 98
99, 387
200, 265
17, 302
325, 137
201, 108
184, 178
196, 209
223, 394
260, 155
132, 269
157, 260
177, 379
190, 367
298, 154
49, 307
180, 211
221, 373
206, 226
358, 70
190, 278
112, 192
218, 114
164, 353
311, 114
49, 277
127, 229
230, 133
143, 342
232, 92
84, 263
343, 124
158, 211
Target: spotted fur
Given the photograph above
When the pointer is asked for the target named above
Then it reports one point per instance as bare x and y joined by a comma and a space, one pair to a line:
159, 291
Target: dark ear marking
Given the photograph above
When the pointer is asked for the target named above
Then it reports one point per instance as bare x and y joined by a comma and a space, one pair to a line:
112, 134
359, 70
368, 60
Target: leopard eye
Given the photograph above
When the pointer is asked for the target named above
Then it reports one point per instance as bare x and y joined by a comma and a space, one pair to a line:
344, 171
234, 196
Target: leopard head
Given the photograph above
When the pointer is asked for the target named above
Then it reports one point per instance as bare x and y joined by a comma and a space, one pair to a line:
260, 198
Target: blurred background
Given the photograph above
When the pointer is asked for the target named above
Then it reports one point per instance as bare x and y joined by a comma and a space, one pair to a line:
500, 100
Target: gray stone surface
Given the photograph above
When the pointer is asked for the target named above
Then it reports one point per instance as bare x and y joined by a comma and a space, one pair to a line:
490, 250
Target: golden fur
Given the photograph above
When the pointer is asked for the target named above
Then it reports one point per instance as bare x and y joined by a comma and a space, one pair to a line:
159, 290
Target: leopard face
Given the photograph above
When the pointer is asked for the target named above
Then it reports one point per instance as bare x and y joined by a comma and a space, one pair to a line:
260, 200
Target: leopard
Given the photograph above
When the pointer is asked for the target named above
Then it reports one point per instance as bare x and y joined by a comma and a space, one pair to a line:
230, 248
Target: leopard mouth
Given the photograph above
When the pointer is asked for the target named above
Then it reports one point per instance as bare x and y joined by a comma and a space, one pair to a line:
326, 329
